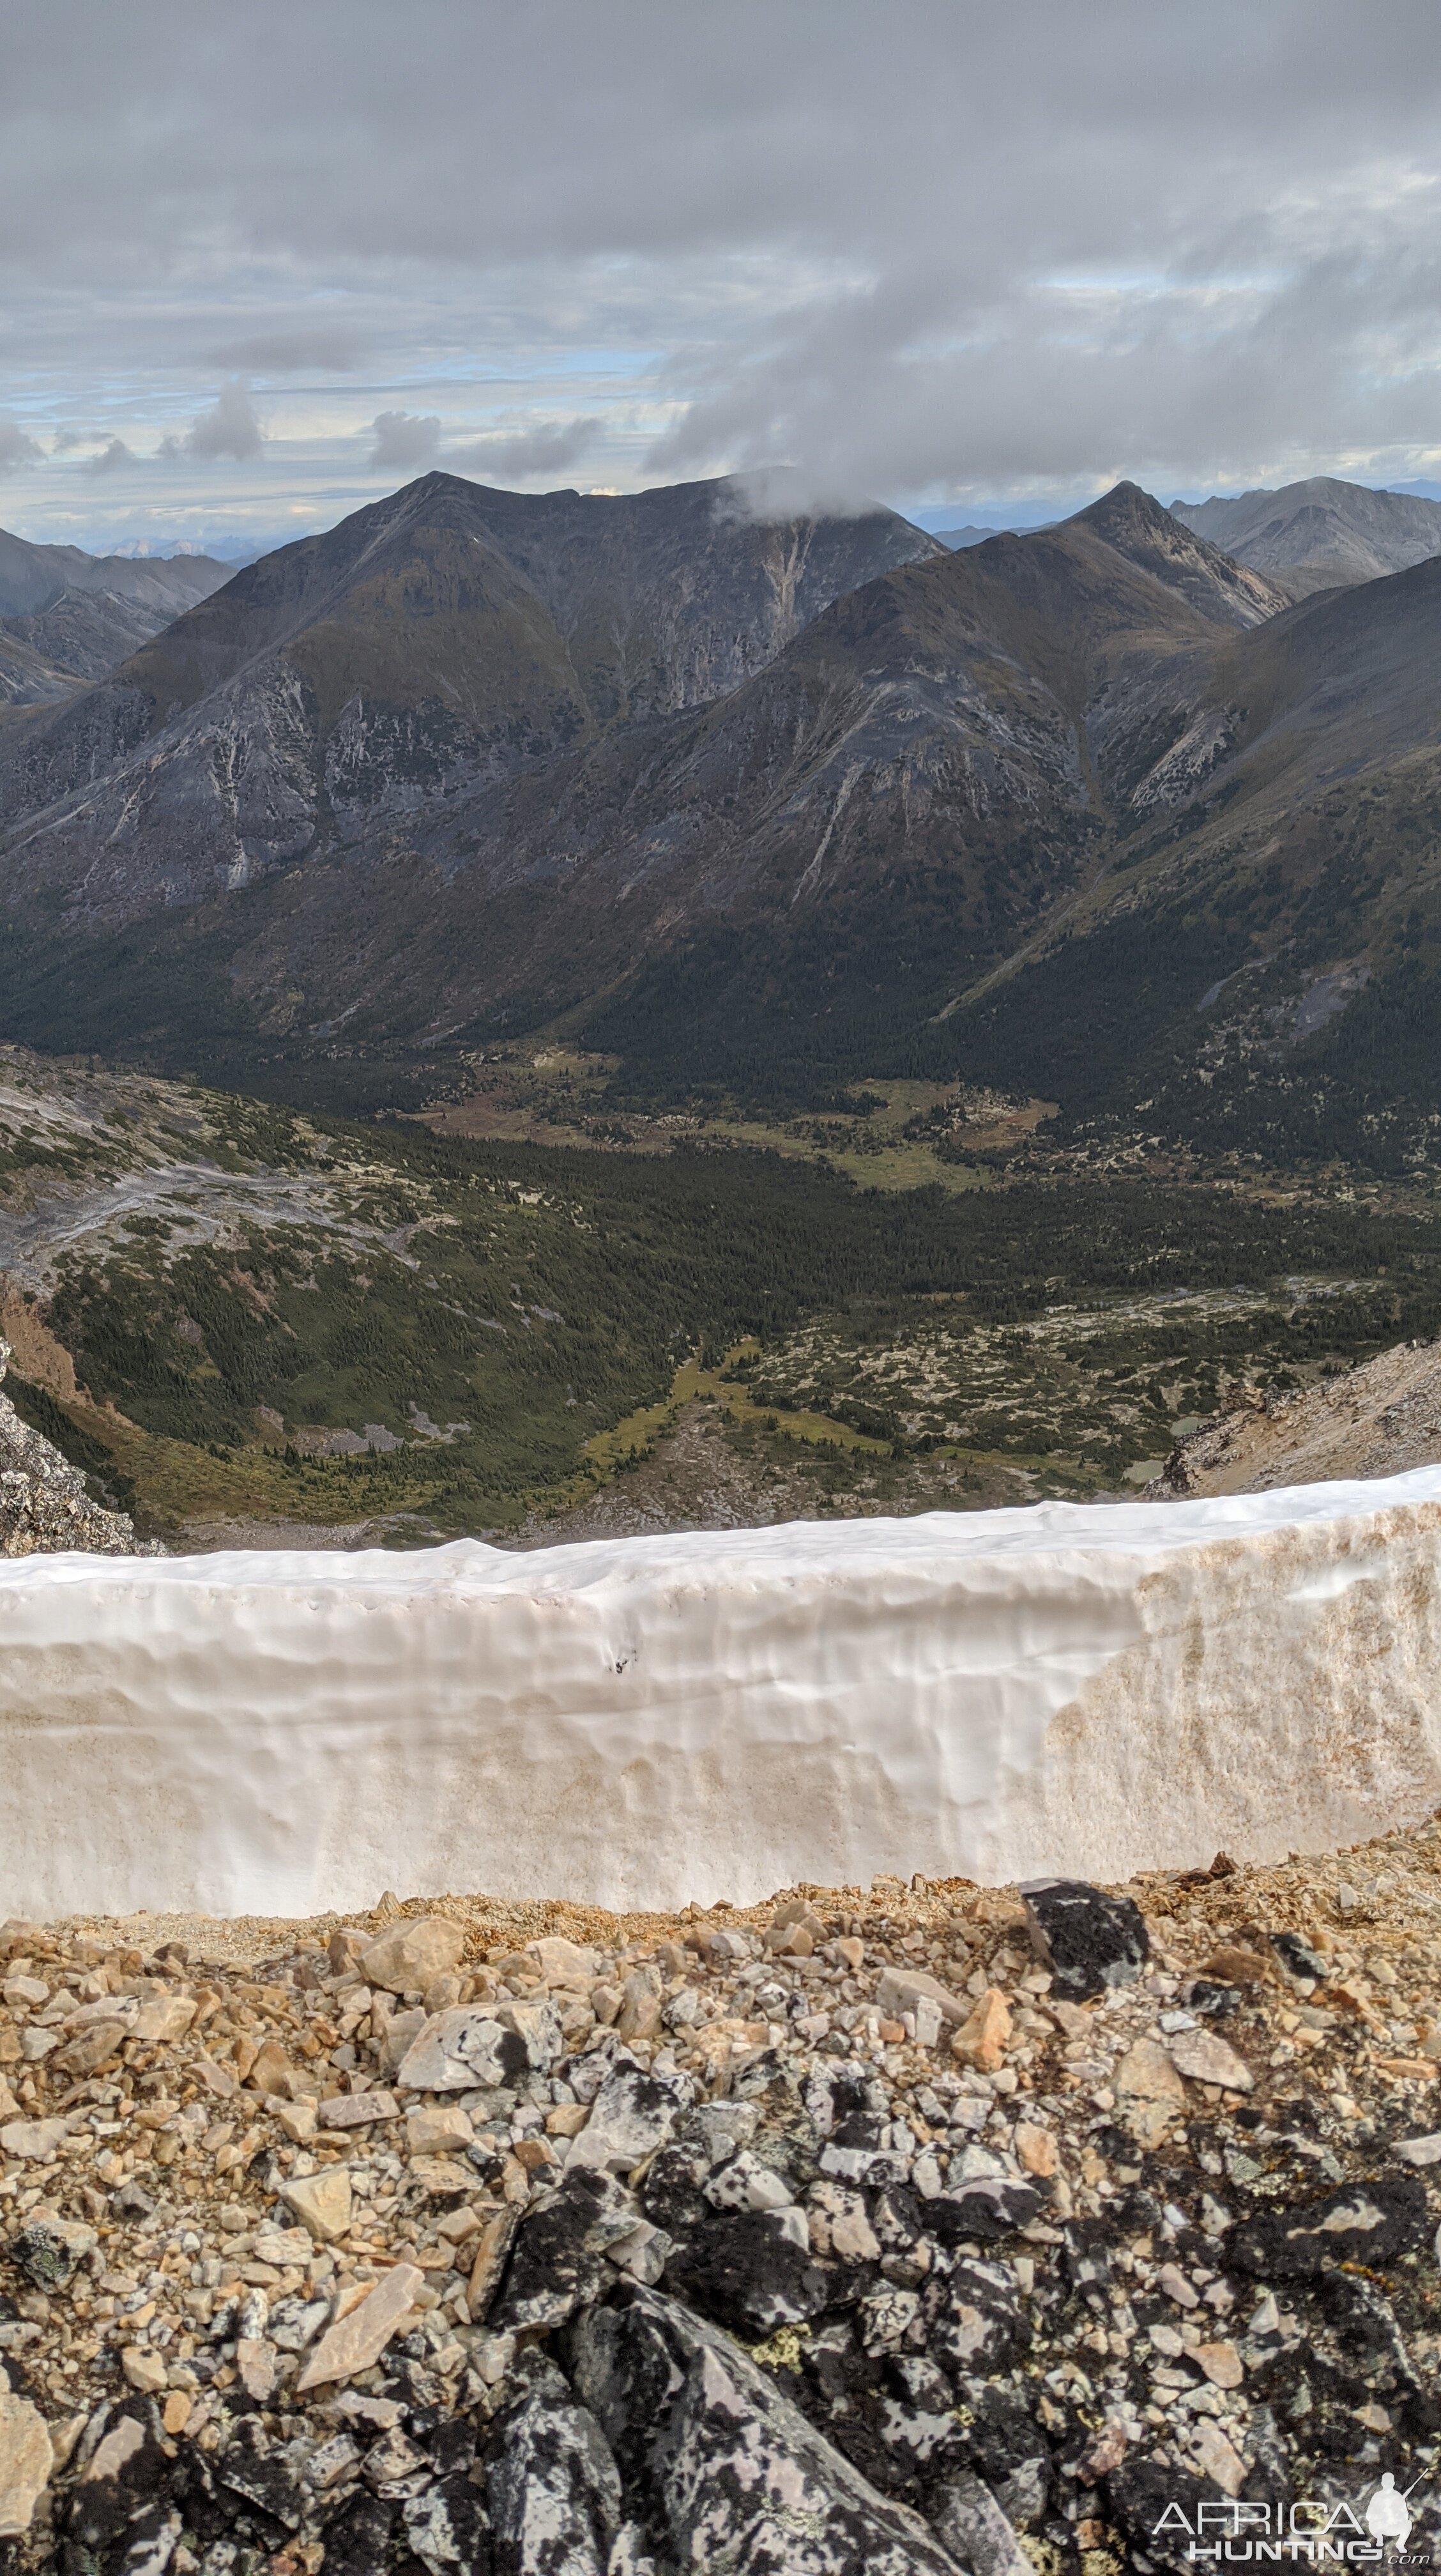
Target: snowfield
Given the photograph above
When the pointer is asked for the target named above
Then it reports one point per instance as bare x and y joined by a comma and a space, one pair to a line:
1081, 1690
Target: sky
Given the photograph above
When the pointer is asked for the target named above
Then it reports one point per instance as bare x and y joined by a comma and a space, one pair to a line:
260, 265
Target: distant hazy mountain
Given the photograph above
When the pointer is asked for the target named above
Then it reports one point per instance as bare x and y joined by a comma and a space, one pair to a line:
87, 632
33, 577
1316, 535
84, 613
959, 538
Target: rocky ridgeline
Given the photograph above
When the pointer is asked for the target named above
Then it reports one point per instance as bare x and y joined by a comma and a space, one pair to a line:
44, 1503
915, 2230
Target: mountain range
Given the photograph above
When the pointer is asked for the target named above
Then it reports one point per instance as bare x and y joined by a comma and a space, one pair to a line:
1319, 534
66, 616
1101, 814
1310, 536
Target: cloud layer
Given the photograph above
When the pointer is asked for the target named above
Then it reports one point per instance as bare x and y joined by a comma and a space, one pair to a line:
257, 265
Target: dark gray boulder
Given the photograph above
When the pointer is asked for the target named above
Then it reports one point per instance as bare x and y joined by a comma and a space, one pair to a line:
721, 2469
555, 2504
1088, 1940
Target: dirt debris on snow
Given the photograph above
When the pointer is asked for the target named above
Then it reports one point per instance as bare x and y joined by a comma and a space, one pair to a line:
324, 2245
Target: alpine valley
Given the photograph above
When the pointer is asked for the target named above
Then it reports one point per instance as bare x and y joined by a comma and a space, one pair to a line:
853, 1024
756, 807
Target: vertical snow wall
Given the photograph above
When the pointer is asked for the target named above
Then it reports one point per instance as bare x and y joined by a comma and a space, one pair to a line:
637, 1722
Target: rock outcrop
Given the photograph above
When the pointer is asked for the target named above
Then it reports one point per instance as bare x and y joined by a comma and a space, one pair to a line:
45, 1505
1382, 1418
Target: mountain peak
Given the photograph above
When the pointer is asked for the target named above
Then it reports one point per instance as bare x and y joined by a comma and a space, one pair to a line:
1125, 508
1322, 534
1142, 529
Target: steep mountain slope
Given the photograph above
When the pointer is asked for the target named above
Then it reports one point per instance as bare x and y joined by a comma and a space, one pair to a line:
1257, 970
896, 800
1091, 816
88, 632
424, 653
1313, 535
1380, 1418
27, 677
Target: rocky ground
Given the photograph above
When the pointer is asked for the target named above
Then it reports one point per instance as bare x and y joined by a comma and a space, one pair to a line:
1378, 1419
930, 2228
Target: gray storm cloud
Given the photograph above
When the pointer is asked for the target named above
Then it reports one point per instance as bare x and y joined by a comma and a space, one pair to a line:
227, 428
935, 249
403, 442
303, 349
17, 448
113, 458
526, 452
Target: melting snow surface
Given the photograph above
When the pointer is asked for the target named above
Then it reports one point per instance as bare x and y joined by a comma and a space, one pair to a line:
634, 1722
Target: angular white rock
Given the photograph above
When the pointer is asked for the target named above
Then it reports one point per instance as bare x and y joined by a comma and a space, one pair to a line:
361, 2337
26, 2459
1079, 1689
457, 2050
35, 2140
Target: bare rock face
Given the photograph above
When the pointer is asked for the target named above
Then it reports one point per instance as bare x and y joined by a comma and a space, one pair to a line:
44, 1505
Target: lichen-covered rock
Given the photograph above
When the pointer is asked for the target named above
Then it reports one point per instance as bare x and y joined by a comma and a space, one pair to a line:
974, 2317
50, 2251
559, 2258
1088, 1940
45, 1506
988, 2205
750, 2269
460, 2048
1369, 2223
555, 2502
721, 2466
970, 2521
123, 2472
632, 2115
447, 2527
